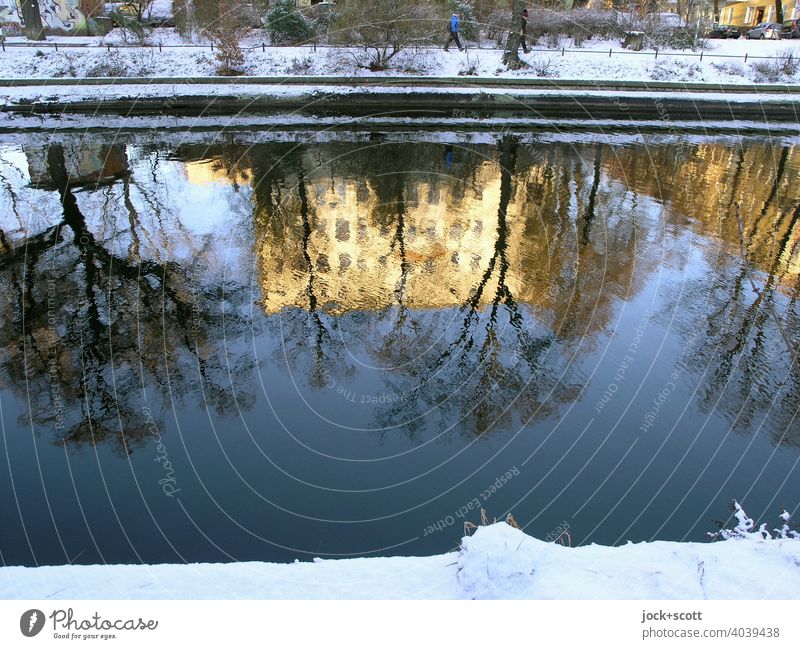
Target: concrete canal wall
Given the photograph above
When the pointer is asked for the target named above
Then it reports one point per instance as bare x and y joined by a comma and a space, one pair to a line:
455, 98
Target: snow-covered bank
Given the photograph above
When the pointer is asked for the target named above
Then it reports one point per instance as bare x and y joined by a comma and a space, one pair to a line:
724, 62
111, 91
459, 104
497, 562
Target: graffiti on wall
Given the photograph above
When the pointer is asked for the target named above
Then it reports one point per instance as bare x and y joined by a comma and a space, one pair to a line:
10, 11
61, 15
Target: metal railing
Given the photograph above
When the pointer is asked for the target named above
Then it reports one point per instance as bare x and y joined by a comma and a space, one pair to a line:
312, 47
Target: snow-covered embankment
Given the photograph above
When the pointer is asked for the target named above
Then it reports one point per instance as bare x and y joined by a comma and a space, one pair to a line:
498, 561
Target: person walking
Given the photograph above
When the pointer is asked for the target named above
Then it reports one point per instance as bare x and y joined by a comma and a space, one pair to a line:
523, 34
453, 34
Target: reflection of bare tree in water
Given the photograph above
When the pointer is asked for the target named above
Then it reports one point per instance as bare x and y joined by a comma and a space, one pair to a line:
493, 368
748, 352
90, 329
297, 326
589, 215
400, 346
582, 254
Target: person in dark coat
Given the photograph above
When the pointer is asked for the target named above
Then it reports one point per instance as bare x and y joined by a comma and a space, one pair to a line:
523, 34
453, 34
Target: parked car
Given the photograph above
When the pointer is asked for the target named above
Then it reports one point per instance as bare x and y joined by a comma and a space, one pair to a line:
790, 29
145, 11
765, 30
723, 31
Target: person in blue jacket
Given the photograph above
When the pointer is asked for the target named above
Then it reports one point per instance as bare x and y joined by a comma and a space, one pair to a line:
453, 34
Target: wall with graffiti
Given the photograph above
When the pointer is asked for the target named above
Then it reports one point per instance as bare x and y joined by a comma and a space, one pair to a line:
57, 15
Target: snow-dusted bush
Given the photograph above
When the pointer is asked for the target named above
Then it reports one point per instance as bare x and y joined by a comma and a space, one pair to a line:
301, 66
579, 25
286, 24
789, 62
783, 68
496, 26
734, 69
746, 528
676, 70
675, 38
111, 66
470, 67
543, 66
416, 61
65, 66
11, 29
320, 17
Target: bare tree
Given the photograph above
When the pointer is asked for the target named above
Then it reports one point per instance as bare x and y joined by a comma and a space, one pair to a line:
778, 11
384, 28
31, 16
511, 56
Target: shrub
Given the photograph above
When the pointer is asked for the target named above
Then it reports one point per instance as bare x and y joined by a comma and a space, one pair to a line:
226, 34
469, 67
133, 30
496, 26
676, 70
788, 62
12, 29
784, 67
66, 65
675, 38
383, 28
734, 69
766, 72
414, 61
579, 24
320, 17
112, 66
543, 66
286, 24
301, 66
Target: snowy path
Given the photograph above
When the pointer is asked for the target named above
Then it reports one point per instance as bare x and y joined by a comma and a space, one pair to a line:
497, 562
724, 62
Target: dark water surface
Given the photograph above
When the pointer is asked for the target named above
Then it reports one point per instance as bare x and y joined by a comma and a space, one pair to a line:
273, 346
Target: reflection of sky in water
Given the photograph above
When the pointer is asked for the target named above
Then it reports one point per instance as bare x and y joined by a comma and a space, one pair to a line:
337, 355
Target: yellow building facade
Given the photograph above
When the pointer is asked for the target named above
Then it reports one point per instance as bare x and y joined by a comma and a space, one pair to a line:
752, 12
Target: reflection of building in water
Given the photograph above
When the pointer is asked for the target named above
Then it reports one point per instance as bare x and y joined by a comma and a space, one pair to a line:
358, 261
566, 242
84, 162
203, 172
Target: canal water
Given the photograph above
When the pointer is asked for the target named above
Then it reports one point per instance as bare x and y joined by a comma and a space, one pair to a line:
262, 345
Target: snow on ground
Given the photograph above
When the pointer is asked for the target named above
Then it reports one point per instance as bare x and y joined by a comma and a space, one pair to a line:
497, 562
723, 62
